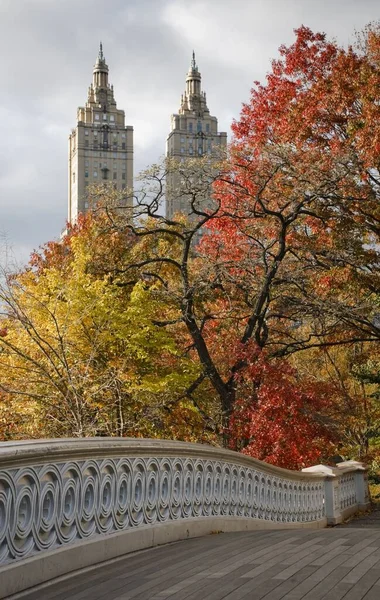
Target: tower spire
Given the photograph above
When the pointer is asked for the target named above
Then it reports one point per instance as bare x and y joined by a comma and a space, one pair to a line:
193, 99
193, 64
101, 55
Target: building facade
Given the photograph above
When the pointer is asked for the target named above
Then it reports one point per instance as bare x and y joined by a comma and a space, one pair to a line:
101, 145
194, 133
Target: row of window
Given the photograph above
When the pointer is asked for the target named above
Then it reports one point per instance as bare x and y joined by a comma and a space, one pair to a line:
199, 127
96, 146
115, 153
201, 150
104, 165
92, 154
191, 151
104, 117
191, 141
95, 133
104, 174
114, 185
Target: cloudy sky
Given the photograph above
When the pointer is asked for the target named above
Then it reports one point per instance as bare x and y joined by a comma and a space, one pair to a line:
48, 48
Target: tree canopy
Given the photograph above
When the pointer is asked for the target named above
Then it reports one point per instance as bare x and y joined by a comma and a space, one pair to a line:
251, 321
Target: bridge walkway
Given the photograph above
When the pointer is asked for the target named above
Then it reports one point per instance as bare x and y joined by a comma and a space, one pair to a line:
328, 564
369, 519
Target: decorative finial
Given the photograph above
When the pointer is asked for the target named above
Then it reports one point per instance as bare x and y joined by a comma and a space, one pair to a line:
101, 56
193, 63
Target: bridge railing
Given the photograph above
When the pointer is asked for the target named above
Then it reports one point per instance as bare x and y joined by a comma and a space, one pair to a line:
67, 504
346, 489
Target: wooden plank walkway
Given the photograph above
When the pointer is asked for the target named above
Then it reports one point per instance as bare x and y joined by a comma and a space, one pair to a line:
343, 562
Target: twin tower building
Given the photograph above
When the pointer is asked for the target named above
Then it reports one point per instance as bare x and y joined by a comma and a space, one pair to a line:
101, 145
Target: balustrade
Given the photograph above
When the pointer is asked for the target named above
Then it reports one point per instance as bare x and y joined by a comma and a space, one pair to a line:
58, 495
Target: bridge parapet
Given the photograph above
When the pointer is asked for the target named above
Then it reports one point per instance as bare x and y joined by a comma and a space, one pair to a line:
346, 489
67, 504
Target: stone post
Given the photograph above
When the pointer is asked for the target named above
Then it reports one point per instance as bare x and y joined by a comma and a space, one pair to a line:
332, 497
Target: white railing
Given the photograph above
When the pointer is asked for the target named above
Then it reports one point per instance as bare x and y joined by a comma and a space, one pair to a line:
346, 489
60, 494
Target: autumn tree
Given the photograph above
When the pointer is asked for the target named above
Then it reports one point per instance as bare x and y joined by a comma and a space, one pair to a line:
349, 373
83, 350
288, 260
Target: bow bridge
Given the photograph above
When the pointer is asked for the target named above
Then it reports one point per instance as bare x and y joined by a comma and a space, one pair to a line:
67, 505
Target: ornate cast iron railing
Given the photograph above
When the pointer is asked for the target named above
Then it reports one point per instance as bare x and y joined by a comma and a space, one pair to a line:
57, 493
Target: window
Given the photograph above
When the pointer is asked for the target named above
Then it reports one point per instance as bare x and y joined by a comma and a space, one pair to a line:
104, 117
95, 165
199, 126
123, 155
182, 150
115, 136
86, 163
86, 204
115, 154
123, 145
123, 136
123, 166
86, 143
182, 140
190, 127
190, 150
114, 175
123, 175
112, 117
86, 132
86, 173
95, 134
115, 165
207, 128
97, 117
200, 151
123, 186
95, 145
95, 173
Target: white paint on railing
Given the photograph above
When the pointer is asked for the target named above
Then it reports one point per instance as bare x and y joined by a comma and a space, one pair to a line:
346, 489
55, 493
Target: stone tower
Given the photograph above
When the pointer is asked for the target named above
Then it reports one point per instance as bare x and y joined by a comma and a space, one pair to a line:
194, 133
101, 145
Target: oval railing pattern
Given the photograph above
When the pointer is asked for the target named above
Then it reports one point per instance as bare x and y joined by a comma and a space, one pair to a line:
48, 502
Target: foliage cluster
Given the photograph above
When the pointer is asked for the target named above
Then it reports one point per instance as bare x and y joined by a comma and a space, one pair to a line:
253, 320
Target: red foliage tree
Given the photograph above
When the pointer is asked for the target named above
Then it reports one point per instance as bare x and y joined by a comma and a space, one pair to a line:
296, 234
280, 419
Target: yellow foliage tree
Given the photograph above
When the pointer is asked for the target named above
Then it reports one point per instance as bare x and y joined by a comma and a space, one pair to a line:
80, 352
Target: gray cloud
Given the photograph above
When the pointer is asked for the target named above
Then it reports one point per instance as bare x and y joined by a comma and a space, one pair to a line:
49, 47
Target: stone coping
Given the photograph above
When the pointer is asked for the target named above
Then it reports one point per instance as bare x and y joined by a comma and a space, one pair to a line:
43, 451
